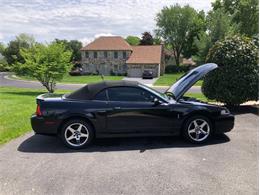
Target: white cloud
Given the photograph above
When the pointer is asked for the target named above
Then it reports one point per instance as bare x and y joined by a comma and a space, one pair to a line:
104, 34
1, 36
87, 40
83, 19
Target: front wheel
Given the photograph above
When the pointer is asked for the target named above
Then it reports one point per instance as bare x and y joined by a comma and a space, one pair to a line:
77, 134
197, 129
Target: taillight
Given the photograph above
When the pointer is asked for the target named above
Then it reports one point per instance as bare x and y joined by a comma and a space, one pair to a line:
38, 110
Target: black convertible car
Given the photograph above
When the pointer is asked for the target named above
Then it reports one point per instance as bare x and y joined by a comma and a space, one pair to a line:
122, 108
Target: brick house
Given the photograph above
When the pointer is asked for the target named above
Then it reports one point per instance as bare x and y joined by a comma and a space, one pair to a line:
109, 55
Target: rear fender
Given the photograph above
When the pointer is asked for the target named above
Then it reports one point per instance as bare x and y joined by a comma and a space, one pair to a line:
79, 117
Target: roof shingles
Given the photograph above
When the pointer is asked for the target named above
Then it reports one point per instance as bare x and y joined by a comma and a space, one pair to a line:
146, 54
108, 43
141, 54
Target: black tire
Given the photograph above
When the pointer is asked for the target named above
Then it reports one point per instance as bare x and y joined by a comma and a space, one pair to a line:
189, 124
86, 129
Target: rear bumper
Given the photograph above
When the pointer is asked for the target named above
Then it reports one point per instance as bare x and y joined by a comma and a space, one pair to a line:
224, 123
43, 126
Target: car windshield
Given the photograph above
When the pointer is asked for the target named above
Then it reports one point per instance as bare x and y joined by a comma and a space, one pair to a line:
161, 95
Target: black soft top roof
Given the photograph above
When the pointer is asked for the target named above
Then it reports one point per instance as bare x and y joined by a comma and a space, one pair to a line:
88, 92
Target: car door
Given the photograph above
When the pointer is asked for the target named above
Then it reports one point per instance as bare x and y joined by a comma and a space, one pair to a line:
133, 111
101, 107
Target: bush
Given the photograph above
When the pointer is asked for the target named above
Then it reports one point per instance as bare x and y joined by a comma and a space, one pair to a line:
176, 69
4, 65
236, 79
112, 73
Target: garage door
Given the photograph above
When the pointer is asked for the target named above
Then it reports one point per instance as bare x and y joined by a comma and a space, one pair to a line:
134, 71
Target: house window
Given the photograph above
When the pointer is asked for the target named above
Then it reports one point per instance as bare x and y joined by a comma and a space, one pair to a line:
115, 68
86, 54
124, 55
115, 54
105, 54
95, 54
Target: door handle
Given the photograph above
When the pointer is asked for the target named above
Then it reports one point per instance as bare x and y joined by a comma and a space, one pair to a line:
117, 108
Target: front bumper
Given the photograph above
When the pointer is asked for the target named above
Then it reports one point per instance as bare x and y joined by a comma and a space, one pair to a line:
224, 123
42, 126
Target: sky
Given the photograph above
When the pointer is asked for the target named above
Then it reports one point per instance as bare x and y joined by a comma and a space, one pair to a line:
82, 20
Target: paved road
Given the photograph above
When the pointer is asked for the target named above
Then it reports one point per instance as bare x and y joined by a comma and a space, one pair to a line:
35, 164
36, 85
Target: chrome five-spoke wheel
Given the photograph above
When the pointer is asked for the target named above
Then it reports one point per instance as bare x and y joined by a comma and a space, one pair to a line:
76, 134
198, 129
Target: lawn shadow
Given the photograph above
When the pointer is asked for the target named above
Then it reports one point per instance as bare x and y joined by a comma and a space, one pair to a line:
48, 144
27, 93
245, 110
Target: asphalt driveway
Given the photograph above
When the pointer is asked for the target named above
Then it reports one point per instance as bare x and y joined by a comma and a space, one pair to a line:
35, 164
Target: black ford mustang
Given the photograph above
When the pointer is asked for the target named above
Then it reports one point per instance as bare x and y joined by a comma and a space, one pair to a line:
121, 108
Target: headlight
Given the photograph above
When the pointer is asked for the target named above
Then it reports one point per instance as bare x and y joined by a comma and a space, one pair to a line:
224, 112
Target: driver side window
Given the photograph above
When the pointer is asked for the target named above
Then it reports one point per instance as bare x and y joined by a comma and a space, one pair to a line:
101, 96
129, 94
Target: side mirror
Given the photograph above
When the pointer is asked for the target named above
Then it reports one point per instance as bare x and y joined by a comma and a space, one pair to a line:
156, 101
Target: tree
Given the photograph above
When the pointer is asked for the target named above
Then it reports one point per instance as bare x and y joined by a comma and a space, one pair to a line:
147, 39
157, 41
179, 26
192, 48
132, 40
26, 38
12, 51
236, 79
244, 14
218, 26
46, 63
2, 48
74, 46
3, 62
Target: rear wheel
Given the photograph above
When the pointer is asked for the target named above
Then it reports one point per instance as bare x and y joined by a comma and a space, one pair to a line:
77, 134
197, 129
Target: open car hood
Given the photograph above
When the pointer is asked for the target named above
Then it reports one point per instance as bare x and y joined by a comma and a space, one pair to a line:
179, 88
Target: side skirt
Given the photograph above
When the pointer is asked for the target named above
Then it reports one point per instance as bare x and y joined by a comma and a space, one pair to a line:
107, 135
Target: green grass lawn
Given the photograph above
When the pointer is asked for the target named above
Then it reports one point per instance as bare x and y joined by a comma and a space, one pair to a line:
169, 79
16, 107
81, 79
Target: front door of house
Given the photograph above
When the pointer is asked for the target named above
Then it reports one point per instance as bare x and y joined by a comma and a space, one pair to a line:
104, 69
